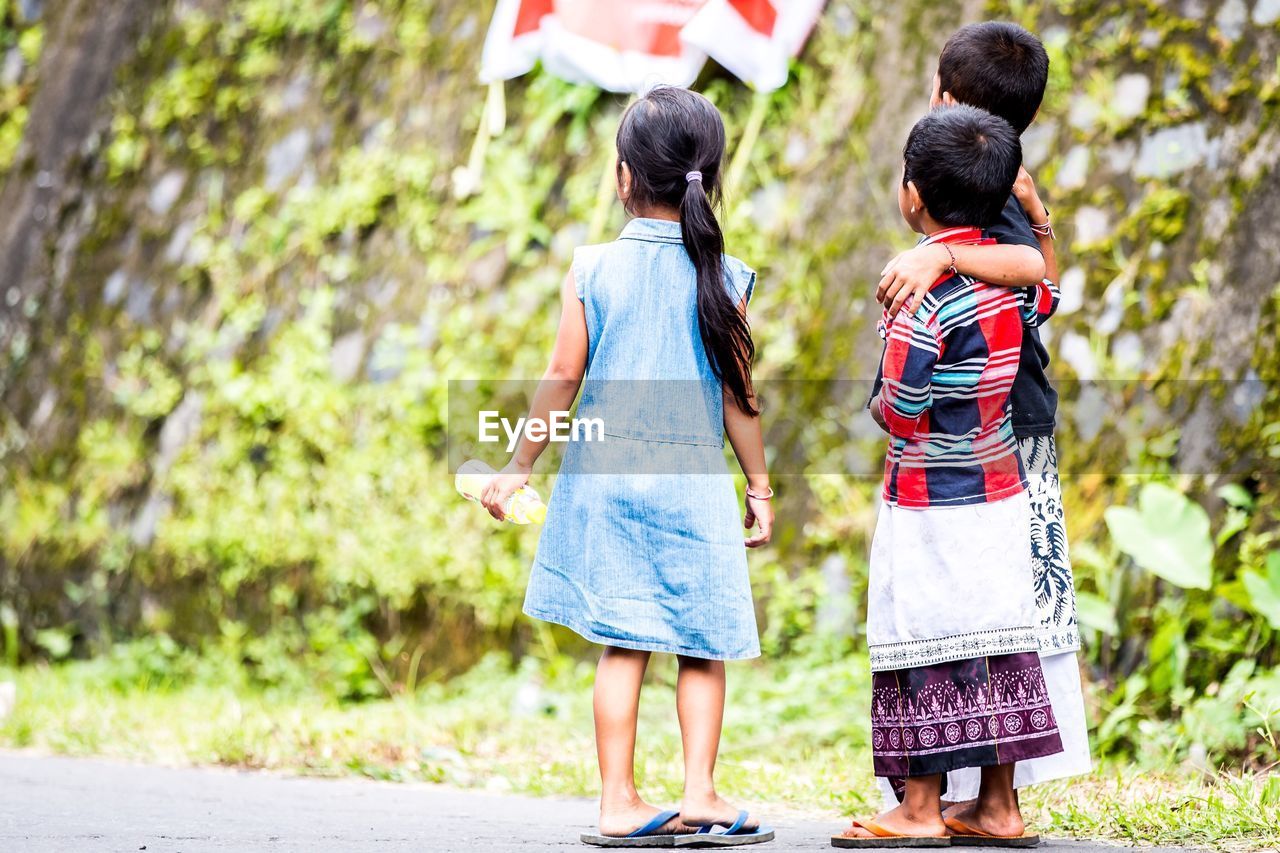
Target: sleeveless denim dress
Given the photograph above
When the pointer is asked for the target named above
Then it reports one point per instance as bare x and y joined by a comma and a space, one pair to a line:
642, 547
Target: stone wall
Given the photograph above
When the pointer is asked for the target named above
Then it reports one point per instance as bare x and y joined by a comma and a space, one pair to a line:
238, 276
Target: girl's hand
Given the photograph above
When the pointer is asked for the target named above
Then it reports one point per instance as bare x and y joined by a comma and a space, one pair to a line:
908, 277
502, 486
758, 511
1024, 190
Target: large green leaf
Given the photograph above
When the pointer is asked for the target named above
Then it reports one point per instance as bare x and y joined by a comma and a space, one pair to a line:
1168, 535
1264, 591
1236, 495
1096, 612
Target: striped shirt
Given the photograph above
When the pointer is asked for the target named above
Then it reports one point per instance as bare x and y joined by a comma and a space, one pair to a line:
947, 372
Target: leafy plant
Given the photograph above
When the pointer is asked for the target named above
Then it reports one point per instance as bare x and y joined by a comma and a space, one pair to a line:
1168, 535
1264, 590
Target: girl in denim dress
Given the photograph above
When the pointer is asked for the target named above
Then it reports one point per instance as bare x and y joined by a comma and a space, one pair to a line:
641, 551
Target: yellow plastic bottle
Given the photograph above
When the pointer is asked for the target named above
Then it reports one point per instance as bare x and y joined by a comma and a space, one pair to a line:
523, 507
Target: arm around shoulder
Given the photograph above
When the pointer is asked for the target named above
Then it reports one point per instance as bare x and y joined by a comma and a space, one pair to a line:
1012, 265
910, 275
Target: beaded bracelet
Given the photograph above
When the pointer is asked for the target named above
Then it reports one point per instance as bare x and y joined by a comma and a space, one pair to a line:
1045, 229
952, 269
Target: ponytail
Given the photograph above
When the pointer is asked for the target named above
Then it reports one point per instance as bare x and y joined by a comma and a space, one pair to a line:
726, 335
673, 141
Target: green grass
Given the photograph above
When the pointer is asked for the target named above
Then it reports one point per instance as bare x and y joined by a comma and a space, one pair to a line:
794, 742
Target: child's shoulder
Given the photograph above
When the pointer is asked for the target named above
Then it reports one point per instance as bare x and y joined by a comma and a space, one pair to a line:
736, 266
945, 292
956, 299
1013, 226
589, 251
740, 278
586, 263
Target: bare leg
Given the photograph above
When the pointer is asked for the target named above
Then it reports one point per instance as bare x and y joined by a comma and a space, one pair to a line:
963, 809
919, 813
700, 705
619, 676
996, 809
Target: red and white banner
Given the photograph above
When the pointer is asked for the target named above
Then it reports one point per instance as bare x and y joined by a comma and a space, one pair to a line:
632, 45
754, 39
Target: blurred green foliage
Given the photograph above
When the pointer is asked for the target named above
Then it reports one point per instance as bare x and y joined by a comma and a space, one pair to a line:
20, 42
245, 502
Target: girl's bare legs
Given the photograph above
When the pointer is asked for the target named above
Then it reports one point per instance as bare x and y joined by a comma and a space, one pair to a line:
619, 676
700, 705
919, 813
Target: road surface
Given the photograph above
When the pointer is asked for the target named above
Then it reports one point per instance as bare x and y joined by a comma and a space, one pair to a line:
70, 805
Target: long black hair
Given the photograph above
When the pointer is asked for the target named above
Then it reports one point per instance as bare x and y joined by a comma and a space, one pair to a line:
666, 138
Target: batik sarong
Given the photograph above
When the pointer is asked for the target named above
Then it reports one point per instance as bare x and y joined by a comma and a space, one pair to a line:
969, 713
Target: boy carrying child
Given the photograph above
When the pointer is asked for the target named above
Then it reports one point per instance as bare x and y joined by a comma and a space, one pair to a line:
951, 618
1004, 69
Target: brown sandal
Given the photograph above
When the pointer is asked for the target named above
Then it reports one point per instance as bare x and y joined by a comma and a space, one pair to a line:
963, 835
886, 838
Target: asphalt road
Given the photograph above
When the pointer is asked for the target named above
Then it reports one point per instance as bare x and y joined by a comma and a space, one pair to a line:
69, 805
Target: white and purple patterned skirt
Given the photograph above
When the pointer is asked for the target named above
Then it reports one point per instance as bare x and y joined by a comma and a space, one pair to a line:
967, 713
955, 645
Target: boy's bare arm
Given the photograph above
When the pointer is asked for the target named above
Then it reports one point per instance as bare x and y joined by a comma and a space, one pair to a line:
908, 277
1024, 189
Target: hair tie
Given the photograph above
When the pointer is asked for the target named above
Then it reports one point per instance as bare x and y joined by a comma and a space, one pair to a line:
690, 177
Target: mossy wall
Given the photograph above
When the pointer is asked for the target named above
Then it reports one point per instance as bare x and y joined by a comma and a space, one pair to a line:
227, 353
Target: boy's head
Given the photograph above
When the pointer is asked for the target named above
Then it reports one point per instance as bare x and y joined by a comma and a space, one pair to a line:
959, 165
994, 65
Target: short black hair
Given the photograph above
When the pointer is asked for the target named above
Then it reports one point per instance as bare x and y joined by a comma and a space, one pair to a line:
963, 161
997, 66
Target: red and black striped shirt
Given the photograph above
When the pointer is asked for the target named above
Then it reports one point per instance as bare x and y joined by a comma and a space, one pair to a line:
947, 371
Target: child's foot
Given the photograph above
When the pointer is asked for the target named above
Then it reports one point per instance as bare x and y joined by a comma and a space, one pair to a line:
617, 821
710, 809
1003, 820
899, 821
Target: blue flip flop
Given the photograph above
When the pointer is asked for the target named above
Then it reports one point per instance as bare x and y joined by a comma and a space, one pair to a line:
719, 835
641, 837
